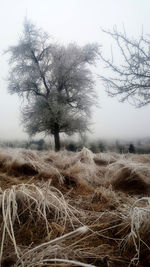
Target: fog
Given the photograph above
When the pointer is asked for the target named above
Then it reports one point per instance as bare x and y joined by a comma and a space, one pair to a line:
77, 21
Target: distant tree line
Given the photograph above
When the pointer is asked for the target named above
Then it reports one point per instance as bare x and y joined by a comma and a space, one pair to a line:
98, 146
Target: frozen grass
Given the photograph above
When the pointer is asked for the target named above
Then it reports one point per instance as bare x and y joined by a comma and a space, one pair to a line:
34, 205
30, 257
129, 176
74, 209
138, 237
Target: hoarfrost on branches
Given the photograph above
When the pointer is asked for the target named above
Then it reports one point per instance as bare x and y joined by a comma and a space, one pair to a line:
130, 80
56, 81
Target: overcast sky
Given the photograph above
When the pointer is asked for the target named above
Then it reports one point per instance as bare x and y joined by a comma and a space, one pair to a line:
77, 21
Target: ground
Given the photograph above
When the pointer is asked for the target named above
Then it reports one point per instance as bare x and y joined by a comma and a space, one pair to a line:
74, 209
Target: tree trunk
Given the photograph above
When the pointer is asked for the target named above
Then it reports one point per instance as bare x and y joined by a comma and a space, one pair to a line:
57, 140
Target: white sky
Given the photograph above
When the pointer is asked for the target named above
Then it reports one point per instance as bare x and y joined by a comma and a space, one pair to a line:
75, 21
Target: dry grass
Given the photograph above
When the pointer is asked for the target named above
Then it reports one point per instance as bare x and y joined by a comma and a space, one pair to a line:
129, 176
74, 209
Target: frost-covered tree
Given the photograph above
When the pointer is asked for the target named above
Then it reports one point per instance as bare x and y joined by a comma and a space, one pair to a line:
56, 81
51, 117
130, 79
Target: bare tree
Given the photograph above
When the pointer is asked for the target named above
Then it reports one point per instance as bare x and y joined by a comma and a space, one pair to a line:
131, 78
55, 80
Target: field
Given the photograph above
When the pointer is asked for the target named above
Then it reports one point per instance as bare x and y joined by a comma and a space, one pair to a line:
74, 209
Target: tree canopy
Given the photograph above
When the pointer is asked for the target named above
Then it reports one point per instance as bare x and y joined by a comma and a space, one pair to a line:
55, 80
130, 79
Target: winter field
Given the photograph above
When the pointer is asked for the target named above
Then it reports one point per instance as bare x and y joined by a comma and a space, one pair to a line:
74, 209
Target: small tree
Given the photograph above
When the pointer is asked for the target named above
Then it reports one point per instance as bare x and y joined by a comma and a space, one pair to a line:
55, 80
131, 148
131, 79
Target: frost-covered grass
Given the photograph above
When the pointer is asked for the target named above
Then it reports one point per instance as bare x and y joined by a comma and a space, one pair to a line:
74, 209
